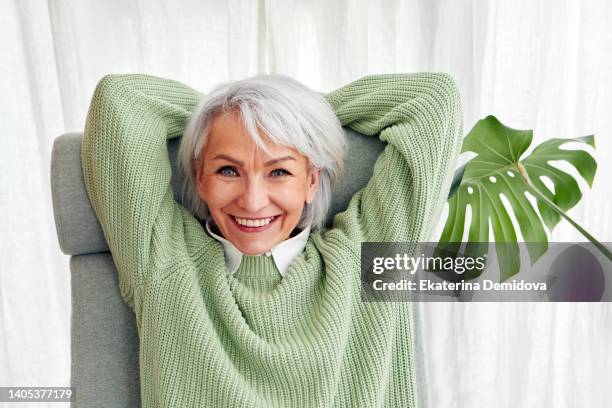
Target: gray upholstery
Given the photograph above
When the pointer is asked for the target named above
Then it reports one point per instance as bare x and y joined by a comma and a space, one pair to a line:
77, 227
104, 335
104, 338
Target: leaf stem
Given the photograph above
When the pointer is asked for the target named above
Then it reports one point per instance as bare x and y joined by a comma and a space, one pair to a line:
554, 206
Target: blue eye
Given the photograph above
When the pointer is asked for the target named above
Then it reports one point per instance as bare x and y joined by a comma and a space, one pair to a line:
280, 173
227, 171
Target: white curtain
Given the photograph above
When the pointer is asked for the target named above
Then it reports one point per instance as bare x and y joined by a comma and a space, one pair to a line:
545, 66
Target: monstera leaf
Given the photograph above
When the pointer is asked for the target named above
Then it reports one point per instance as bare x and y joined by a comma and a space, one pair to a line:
499, 170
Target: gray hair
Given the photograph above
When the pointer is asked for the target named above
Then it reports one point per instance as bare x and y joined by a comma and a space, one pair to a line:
290, 114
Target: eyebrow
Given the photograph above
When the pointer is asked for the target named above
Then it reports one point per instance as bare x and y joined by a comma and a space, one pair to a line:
239, 163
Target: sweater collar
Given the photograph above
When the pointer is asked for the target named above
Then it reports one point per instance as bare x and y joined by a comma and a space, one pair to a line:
282, 253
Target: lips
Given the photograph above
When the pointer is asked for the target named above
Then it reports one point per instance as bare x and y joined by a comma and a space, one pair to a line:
247, 222
254, 225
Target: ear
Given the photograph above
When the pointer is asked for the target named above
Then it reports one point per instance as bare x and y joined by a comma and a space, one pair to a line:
199, 170
313, 185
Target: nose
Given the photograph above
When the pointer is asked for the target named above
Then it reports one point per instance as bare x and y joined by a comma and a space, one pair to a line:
254, 197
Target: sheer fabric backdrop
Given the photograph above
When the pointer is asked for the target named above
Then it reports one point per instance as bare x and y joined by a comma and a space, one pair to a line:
545, 66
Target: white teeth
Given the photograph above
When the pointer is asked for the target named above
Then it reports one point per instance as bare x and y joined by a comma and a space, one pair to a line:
253, 223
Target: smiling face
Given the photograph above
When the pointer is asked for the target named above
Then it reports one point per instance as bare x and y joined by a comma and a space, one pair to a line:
255, 198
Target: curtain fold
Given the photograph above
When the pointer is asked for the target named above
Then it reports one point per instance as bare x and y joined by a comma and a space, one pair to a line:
34, 279
545, 66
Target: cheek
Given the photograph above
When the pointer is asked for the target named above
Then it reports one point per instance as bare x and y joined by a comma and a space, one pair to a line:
292, 195
217, 193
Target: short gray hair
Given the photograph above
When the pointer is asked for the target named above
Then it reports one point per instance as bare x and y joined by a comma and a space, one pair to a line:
290, 114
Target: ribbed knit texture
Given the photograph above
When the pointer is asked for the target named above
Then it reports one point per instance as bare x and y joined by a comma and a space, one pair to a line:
209, 339
258, 273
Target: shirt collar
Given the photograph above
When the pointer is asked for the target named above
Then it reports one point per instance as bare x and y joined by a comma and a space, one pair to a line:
283, 253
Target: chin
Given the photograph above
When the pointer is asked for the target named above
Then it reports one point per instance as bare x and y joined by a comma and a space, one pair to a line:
250, 250
252, 247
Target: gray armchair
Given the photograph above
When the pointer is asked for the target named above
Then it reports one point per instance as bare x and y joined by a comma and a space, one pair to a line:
105, 345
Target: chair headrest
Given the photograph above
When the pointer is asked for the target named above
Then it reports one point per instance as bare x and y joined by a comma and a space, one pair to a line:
77, 226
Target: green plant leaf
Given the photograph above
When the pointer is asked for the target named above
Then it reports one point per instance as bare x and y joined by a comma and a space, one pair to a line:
498, 170
567, 193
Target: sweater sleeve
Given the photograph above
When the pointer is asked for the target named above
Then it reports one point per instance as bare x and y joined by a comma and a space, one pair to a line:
126, 167
419, 117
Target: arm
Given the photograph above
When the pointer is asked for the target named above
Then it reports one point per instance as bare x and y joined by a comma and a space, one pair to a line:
126, 167
419, 117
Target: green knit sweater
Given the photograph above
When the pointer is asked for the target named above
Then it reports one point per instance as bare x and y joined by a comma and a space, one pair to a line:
254, 339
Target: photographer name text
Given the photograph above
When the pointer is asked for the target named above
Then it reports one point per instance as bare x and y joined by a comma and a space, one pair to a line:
428, 285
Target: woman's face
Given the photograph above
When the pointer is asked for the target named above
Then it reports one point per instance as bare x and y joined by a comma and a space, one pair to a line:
256, 199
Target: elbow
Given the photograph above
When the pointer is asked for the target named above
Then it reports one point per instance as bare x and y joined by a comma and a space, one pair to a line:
449, 104
447, 92
107, 86
101, 114
109, 94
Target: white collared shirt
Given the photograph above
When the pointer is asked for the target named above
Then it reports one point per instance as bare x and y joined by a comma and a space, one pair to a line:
283, 253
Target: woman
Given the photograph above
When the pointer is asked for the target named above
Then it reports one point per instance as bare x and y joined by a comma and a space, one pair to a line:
240, 174
261, 307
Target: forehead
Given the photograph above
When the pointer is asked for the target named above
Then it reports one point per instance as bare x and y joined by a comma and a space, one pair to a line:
228, 135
